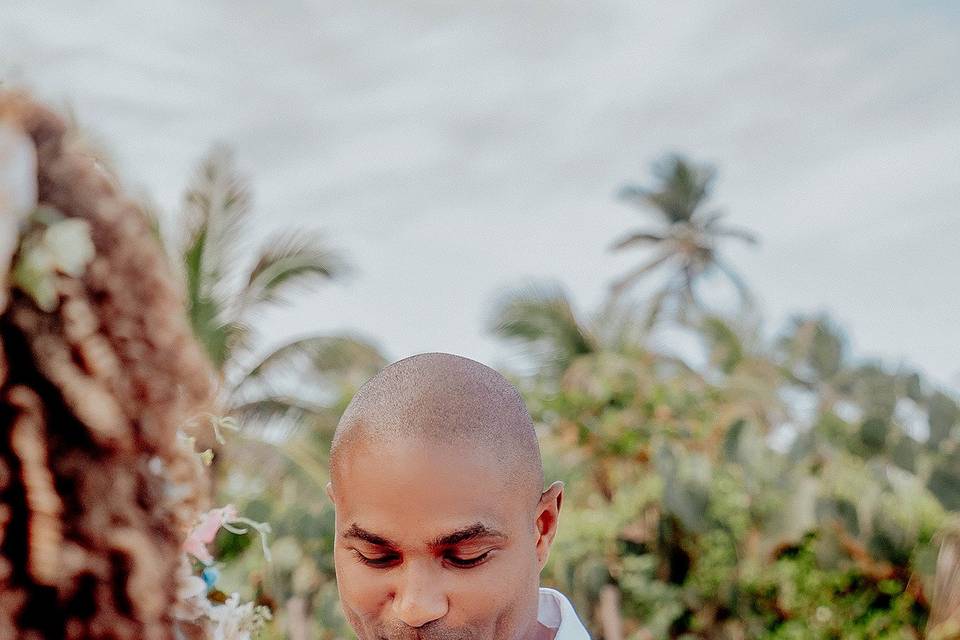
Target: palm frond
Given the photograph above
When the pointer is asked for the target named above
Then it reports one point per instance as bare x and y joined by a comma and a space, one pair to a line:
637, 238
273, 462
813, 348
709, 220
541, 318
277, 418
683, 187
632, 277
216, 207
724, 343
221, 339
349, 358
618, 326
735, 232
746, 297
287, 259
690, 300
634, 194
671, 292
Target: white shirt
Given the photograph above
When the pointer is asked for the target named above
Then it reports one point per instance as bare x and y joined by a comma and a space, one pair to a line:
556, 612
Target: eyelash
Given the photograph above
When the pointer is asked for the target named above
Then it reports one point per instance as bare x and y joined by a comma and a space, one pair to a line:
381, 563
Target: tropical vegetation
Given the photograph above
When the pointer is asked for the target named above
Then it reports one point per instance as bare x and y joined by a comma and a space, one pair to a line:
785, 488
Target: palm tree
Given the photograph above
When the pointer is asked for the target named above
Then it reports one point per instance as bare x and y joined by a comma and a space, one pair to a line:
541, 319
223, 301
687, 238
287, 401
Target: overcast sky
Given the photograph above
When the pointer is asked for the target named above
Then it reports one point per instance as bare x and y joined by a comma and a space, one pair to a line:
453, 149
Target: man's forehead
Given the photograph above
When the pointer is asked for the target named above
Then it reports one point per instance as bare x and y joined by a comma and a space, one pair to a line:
404, 461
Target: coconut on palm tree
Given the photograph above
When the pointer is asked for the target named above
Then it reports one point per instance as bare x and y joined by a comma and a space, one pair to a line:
686, 241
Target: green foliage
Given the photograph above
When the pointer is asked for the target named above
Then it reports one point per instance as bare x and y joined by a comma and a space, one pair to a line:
677, 498
302, 569
799, 596
944, 416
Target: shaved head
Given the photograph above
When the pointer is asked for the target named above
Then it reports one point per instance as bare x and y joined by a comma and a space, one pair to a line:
442, 521
446, 402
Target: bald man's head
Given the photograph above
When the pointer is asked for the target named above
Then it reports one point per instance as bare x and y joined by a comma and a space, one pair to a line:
446, 402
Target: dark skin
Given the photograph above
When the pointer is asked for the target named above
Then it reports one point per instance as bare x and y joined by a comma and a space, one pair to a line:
435, 543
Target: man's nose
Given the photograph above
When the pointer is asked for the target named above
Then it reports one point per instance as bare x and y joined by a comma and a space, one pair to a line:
420, 596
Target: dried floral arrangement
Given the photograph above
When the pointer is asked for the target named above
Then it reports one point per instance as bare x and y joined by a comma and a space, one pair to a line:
104, 516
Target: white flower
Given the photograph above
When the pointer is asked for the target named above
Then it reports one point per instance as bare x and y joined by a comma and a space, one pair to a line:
237, 621
64, 247
69, 243
192, 602
192, 587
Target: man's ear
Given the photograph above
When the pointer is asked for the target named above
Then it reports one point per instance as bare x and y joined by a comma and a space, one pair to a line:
547, 518
329, 489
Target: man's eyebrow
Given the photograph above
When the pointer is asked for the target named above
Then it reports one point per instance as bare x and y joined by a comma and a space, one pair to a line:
471, 532
476, 530
356, 531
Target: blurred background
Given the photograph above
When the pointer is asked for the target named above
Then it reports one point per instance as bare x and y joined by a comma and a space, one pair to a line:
714, 245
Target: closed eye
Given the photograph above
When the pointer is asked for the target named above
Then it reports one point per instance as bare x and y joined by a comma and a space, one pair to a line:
380, 561
465, 563
385, 561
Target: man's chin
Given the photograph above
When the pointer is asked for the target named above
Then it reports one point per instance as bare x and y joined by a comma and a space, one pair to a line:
428, 633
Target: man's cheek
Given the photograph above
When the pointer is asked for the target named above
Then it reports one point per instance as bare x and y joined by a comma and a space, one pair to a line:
358, 603
362, 592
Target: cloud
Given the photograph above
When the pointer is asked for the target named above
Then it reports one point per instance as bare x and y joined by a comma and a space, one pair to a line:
454, 148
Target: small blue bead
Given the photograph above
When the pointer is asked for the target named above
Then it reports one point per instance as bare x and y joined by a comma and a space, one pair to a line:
210, 576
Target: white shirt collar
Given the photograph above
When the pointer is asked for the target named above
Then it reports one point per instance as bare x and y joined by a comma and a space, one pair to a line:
556, 612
